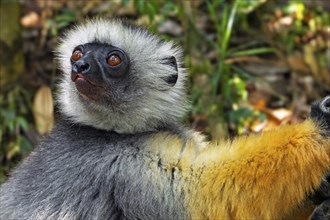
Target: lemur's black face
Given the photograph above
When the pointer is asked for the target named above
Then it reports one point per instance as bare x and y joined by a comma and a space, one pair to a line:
120, 77
95, 67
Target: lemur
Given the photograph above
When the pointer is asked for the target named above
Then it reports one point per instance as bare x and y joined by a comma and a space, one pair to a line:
121, 151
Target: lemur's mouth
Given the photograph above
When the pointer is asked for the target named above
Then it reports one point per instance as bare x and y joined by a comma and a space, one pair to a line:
79, 76
86, 87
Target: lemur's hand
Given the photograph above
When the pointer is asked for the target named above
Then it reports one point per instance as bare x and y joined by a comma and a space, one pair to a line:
323, 193
320, 113
322, 212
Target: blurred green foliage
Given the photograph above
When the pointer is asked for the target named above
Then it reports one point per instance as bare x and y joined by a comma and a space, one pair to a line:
63, 19
15, 112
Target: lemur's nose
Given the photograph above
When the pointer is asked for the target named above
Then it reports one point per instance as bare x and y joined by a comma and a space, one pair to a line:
81, 66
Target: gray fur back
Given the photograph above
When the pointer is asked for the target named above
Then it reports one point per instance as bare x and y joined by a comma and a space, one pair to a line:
84, 179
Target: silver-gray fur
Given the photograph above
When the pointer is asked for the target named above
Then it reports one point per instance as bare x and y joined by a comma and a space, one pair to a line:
80, 172
94, 164
150, 103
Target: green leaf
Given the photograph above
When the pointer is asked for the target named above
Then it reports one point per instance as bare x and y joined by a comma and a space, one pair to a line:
228, 28
125, 2
247, 6
140, 4
151, 11
8, 115
240, 115
26, 146
67, 17
22, 123
254, 51
243, 74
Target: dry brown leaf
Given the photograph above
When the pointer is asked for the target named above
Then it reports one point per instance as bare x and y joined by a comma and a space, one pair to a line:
275, 118
271, 124
298, 64
170, 27
286, 21
310, 59
325, 73
31, 19
280, 114
43, 110
258, 104
258, 126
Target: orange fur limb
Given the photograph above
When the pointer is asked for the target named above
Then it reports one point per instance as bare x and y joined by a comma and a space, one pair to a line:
265, 176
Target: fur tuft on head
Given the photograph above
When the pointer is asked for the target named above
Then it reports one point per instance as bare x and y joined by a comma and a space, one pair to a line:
154, 94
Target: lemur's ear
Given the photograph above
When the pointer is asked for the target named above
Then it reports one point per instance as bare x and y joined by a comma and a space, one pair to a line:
173, 78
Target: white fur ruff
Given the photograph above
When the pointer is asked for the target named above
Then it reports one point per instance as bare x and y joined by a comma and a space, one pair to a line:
161, 104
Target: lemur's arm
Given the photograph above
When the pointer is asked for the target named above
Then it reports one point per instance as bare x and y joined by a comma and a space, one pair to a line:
264, 176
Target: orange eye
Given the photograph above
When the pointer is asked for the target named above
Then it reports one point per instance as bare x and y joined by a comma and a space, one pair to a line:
76, 55
114, 60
